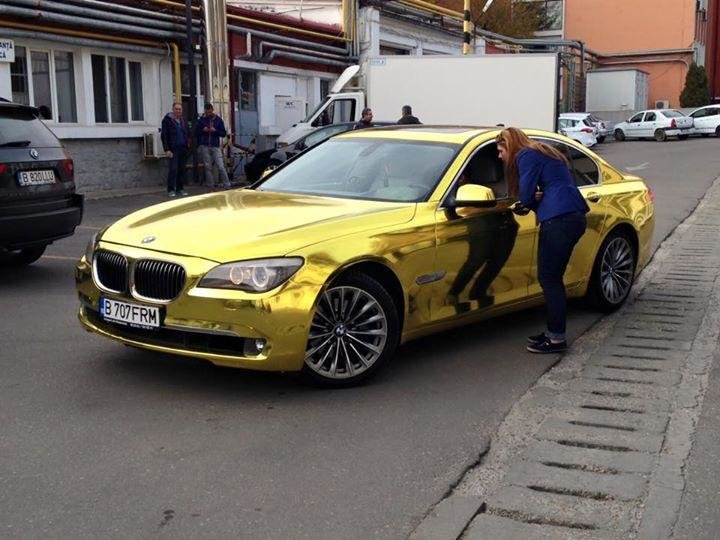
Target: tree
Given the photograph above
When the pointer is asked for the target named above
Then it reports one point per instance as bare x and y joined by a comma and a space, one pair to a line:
697, 88
518, 19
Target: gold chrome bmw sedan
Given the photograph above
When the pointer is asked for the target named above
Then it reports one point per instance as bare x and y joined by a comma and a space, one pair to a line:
368, 240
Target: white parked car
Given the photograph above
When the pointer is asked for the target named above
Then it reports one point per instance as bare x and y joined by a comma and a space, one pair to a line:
601, 125
657, 123
706, 120
578, 127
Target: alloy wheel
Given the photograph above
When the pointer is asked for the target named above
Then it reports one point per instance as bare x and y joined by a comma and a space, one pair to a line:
616, 270
347, 335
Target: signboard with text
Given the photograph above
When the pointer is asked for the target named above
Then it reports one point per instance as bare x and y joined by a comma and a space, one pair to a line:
7, 50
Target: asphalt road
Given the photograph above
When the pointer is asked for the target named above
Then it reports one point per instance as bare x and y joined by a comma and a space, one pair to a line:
98, 440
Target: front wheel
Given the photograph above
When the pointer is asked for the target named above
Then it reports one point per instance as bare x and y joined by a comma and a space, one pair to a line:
660, 135
613, 273
354, 332
619, 135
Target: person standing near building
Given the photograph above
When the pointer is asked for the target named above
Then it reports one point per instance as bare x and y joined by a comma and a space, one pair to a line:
176, 141
365, 119
539, 175
210, 130
407, 116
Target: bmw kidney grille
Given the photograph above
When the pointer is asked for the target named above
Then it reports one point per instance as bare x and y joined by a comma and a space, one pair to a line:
152, 280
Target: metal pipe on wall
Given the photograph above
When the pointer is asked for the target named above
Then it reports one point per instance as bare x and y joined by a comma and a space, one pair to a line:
302, 50
304, 58
288, 40
80, 21
95, 14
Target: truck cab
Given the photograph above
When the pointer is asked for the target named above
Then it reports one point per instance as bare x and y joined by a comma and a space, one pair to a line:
338, 107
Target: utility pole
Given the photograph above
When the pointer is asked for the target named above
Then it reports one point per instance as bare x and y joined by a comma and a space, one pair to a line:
467, 35
192, 112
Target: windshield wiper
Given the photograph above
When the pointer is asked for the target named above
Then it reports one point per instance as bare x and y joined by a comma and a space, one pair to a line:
19, 144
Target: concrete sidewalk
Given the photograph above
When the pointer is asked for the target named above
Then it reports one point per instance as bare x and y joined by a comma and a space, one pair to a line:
600, 446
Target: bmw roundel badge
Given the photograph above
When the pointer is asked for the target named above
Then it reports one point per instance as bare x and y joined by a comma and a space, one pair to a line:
34, 153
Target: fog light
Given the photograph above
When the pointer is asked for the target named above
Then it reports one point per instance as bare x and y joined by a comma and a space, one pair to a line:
254, 347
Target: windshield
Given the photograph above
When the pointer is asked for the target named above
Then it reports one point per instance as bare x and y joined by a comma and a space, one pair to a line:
367, 168
316, 109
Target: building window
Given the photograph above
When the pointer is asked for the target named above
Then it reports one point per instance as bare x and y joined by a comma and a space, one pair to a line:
65, 83
248, 90
324, 88
117, 89
551, 14
136, 94
45, 79
19, 77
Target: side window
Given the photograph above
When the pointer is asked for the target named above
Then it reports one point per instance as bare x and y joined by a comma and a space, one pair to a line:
701, 113
650, 117
344, 111
563, 123
712, 112
483, 168
636, 118
321, 134
583, 168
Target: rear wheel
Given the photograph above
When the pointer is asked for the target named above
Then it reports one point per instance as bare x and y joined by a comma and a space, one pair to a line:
619, 135
22, 257
613, 272
354, 332
660, 135
601, 139
717, 131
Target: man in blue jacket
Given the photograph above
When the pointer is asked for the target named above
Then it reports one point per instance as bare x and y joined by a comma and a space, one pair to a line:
210, 130
176, 141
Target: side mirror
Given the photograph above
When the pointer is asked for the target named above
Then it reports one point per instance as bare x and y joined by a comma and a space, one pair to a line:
475, 195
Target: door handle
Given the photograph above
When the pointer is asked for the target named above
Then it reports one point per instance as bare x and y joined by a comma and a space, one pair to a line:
593, 196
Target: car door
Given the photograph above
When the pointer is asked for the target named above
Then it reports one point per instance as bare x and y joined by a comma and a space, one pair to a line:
634, 125
484, 255
648, 125
586, 173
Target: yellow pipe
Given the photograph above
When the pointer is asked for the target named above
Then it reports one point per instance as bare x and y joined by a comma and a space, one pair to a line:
106, 37
432, 7
176, 71
466, 28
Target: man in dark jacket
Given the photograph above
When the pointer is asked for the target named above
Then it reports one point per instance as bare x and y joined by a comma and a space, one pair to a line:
210, 131
407, 116
365, 120
176, 143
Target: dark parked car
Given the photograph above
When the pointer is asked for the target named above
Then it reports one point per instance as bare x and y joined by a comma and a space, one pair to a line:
274, 157
38, 203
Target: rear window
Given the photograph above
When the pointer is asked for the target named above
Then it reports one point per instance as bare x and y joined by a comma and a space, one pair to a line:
18, 127
671, 113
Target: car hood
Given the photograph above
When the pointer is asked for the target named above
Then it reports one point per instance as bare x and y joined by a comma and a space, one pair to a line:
248, 224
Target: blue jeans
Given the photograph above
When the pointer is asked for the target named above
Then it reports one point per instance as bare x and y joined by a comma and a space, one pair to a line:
176, 169
558, 237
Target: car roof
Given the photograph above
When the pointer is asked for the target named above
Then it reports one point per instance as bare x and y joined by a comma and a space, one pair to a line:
574, 115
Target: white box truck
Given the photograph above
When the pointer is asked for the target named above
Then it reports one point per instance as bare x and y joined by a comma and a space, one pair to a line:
511, 89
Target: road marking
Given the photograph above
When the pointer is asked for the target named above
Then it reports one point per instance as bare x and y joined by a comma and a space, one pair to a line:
60, 257
637, 167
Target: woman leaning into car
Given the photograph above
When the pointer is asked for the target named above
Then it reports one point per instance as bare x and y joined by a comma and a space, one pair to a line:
539, 175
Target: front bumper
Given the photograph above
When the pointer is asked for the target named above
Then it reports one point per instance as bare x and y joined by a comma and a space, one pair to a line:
212, 324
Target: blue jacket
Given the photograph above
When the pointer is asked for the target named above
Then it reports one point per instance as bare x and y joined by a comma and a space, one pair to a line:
552, 177
210, 139
169, 133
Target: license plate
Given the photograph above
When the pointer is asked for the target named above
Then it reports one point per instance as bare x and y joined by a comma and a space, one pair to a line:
36, 178
129, 314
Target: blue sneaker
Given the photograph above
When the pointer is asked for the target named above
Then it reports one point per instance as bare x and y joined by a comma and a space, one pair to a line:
539, 338
171, 193
547, 347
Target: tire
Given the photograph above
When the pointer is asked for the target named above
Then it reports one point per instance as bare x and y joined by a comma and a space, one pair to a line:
22, 257
601, 139
619, 135
682, 137
660, 135
717, 131
354, 333
613, 273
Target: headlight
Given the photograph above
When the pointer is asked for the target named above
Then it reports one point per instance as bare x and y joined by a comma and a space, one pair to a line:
259, 275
